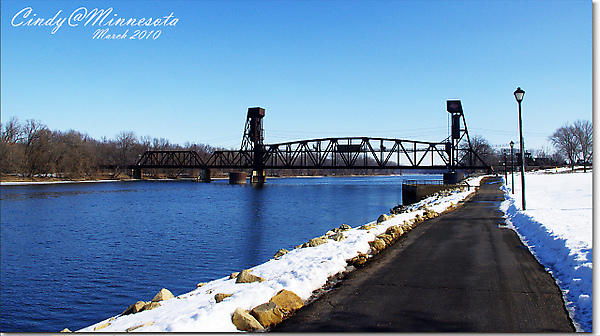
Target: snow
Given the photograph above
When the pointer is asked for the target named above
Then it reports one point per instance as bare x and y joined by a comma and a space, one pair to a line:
19, 183
557, 228
302, 271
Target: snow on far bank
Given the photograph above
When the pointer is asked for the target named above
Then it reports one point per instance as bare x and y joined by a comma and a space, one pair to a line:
302, 271
557, 229
15, 183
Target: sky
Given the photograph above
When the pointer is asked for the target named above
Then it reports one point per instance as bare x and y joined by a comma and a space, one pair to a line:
318, 68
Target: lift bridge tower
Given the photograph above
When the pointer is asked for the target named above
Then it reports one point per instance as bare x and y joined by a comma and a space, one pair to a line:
459, 155
253, 145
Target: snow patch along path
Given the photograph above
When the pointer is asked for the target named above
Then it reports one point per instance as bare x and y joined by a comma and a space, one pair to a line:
557, 229
301, 271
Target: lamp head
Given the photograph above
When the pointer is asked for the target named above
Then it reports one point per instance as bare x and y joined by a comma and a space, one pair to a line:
519, 94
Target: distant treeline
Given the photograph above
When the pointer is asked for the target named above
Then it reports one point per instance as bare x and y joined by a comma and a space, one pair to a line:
30, 149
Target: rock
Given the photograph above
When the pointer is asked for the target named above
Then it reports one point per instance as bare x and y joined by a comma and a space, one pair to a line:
287, 301
234, 275
387, 238
280, 253
407, 226
139, 326
101, 326
66, 330
382, 218
430, 213
345, 227
246, 277
267, 314
337, 236
359, 260
221, 296
377, 244
244, 321
317, 241
366, 227
134, 308
398, 209
163, 295
202, 284
395, 231
150, 305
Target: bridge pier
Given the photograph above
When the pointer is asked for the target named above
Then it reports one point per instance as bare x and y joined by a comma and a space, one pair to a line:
452, 177
204, 175
237, 178
258, 178
136, 173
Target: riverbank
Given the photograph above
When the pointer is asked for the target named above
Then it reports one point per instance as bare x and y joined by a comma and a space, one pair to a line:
12, 180
21, 180
301, 271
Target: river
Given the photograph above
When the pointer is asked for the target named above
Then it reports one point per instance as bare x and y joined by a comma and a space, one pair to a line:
74, 254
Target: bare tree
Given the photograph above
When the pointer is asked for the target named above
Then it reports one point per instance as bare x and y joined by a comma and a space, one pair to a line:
481, 147
564, 141
584, 136
125, 150
10, 151
73, 154
36, 140
575, 142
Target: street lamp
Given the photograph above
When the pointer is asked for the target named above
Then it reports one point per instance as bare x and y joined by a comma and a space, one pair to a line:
519, 97
512, 168
505, 170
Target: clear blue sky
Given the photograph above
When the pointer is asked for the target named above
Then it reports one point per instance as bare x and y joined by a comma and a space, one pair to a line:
319, 68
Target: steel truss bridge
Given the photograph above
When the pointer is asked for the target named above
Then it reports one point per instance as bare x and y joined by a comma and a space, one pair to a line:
451, 155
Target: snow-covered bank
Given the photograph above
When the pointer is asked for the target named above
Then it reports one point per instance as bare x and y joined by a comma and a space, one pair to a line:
557, 228
302, 271
15, 183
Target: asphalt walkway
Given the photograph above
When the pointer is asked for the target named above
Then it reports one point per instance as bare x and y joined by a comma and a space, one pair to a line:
458, 272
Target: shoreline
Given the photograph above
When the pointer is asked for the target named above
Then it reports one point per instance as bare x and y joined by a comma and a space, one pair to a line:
58, 181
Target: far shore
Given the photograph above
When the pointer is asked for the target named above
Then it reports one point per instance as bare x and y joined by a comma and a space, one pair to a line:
12, 180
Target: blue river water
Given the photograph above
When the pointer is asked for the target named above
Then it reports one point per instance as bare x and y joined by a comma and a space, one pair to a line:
74, 254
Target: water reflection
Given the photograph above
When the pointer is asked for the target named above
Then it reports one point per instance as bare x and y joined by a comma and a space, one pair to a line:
14, 193
254, 226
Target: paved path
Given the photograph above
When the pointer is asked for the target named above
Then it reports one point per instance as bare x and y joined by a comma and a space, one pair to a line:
457, 272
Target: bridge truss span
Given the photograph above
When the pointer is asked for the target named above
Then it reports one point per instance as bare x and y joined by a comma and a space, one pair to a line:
326, 153
356, 152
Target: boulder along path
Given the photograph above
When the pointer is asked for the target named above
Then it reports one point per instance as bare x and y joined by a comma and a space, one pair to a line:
462, 271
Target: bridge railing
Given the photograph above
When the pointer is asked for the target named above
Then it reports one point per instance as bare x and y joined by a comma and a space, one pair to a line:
423, 182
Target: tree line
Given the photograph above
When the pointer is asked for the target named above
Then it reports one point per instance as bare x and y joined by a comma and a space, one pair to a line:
30, 149
572, 145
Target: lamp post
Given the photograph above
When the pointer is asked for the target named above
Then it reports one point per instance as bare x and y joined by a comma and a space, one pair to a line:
505, 176
512, 168
519, 96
